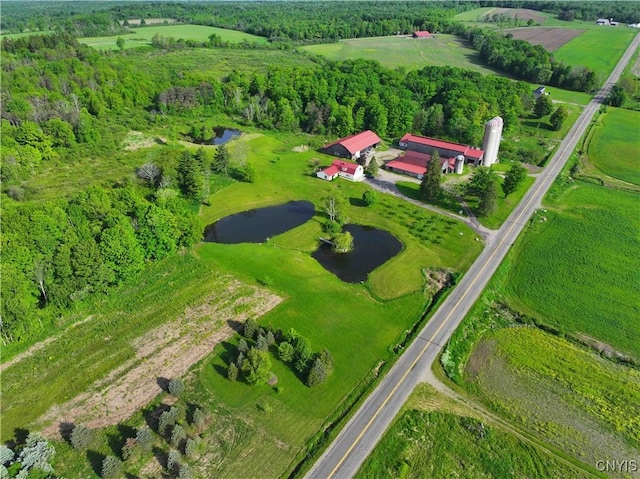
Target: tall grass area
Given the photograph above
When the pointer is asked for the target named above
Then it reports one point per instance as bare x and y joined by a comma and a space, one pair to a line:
142, 36
614, 147
599, 49
436, 444
563, 393
403, 51
577, 268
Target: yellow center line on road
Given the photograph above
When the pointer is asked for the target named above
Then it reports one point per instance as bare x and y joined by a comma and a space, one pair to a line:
537, 186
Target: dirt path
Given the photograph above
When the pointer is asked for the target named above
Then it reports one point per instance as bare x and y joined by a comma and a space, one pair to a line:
165, 352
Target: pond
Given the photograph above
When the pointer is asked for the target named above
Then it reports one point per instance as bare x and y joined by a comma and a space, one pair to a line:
371, 248
222, 136
258, 225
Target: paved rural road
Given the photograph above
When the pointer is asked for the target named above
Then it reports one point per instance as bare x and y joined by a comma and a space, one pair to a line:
358, 438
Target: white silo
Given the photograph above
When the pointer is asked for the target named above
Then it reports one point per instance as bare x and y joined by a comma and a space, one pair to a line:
491, 142
459, 164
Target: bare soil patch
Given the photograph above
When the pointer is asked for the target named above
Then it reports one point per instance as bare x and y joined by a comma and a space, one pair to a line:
165, 352
549, 37
519, 13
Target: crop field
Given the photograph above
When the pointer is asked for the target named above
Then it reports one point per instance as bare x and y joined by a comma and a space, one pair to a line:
577, 401
435, 444
598, 49
142, 36
404, 51
550, 38
614, 147
578, 269
478, 17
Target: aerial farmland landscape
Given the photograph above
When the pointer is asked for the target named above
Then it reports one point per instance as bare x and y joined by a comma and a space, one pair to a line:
331, 239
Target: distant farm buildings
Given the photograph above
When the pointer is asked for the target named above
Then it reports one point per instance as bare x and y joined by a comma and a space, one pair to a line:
343, 169
602, 22
421, 34
353, 147
453, 156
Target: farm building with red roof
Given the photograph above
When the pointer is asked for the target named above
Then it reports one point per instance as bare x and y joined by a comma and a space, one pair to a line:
414, 163
343, 169
354, 146
423, 144
421, 34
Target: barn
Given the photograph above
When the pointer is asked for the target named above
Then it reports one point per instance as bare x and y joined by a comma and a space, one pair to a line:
421, 34
329, 173
414, 163
446, 149
353, 147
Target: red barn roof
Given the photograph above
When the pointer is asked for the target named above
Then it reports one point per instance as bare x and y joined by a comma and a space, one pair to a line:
357, 142
416, 162
445, 145
345, 167
331, 170
422, 34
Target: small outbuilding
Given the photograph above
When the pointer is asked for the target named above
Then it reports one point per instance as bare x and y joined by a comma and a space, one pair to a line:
421, 34
414, 163
353, 147
343, 169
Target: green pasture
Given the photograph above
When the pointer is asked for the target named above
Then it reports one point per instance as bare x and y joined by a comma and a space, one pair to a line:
406, 52
436, 444
615, 146
562, 393
577, 268
143, 35
599, 49
474, 17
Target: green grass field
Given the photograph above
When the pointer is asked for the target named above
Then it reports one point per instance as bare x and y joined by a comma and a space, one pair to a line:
435, 444
577, 270
402, 51
25, 34
142, 36
564, 394
614, 147
599, 49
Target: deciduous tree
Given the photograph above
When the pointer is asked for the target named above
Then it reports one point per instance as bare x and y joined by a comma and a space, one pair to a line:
513, 178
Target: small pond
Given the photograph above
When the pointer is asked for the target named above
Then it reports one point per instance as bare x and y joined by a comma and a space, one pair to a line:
258, 225
371, 248
222, 136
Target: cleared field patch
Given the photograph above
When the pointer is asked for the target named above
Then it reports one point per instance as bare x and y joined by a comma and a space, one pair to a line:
522, 14
142, 36
577, 401
614, 147
549, 37
403, 51
25, 34
598, 49
578, 269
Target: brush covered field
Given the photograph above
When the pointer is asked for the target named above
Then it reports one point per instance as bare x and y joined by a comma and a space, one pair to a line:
142, 36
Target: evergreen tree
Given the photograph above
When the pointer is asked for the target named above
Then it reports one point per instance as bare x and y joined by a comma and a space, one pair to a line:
285, 351
111, 468
190, 177
232, 372
176, 387
221, 160
487, 200
144, 439
513, 178
430, 185
250, 329
81, 437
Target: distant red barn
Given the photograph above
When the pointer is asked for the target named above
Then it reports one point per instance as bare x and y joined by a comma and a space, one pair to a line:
421, 34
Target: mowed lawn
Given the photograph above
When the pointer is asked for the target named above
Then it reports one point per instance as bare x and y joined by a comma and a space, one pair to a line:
403, 51
615, 145
598, 49
143, 35
579, 269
